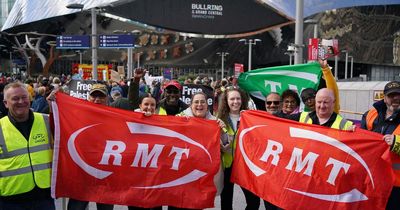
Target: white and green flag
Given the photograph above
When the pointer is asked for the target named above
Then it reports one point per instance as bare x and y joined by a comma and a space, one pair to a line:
259, 83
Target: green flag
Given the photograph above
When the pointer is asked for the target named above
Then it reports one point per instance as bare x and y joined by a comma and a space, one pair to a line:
259, 83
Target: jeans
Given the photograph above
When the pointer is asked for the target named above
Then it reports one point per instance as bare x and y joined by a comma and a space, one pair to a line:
39, 204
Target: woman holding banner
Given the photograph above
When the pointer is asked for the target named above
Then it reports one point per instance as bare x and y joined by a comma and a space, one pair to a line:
199, 109
233, 101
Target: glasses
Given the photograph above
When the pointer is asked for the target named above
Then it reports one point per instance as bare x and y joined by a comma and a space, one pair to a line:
172, 91
289, 102
273, 102
199, 102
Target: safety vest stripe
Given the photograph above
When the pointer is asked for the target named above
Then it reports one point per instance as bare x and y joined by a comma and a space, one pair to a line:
307, 118
2, 141
47, 122
42, 166
342, 124
23, 151
396, 166
25, 170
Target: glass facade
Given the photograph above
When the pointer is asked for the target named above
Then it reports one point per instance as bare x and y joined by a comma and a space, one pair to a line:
5, 8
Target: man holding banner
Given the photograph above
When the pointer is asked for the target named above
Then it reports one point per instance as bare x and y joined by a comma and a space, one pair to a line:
384, 118
25, 154
324, 114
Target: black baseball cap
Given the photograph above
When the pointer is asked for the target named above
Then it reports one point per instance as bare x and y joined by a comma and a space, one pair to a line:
392, 87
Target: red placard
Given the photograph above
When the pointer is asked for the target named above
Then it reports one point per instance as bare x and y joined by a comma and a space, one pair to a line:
313, 49
238, 69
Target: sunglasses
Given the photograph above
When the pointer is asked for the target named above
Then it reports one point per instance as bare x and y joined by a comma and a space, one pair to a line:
273, 102
232, 87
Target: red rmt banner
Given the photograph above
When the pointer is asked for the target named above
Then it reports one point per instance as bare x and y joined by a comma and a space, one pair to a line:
113, 156
300, 166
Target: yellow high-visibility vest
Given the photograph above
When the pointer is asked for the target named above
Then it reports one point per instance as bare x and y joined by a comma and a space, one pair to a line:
25, 164
339, 122
161, 111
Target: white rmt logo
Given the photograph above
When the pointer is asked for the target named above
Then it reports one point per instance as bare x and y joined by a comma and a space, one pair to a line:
143, 158
297, 163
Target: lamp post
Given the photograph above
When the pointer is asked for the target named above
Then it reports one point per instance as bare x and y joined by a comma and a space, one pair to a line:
250, 42
290, 52
222, 54
80, 56
351, 66
315, 24
346, 63
94, 35
336, 66
298, 41
138, 58
11, 62
94, 43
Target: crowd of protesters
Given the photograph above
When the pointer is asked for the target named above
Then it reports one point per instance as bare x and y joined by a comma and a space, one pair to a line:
163, 97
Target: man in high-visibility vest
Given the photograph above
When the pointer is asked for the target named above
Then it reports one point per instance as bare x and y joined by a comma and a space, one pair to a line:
384, 118
324, 114
25, 154
171, 103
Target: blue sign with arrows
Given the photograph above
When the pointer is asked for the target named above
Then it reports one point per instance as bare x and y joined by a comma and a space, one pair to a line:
117, 41
73, 42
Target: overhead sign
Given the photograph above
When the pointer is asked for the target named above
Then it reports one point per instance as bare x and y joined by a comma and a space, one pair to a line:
202, 17
116, 41
73, 42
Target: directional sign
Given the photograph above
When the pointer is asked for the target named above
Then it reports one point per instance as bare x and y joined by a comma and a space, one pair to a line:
73, 42
116, 41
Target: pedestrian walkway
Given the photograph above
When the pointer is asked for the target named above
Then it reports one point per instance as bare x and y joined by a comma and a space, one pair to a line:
239, 202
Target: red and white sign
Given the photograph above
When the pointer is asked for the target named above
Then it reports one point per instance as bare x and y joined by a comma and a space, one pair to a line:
114, 156
322, 49
313, 49
238, 69
299, 166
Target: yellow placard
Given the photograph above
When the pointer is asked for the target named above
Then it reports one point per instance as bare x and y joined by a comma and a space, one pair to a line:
378, 95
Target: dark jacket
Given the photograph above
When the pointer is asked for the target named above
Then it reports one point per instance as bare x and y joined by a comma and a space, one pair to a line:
122, 103
382, 125
133, 94
40, 105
